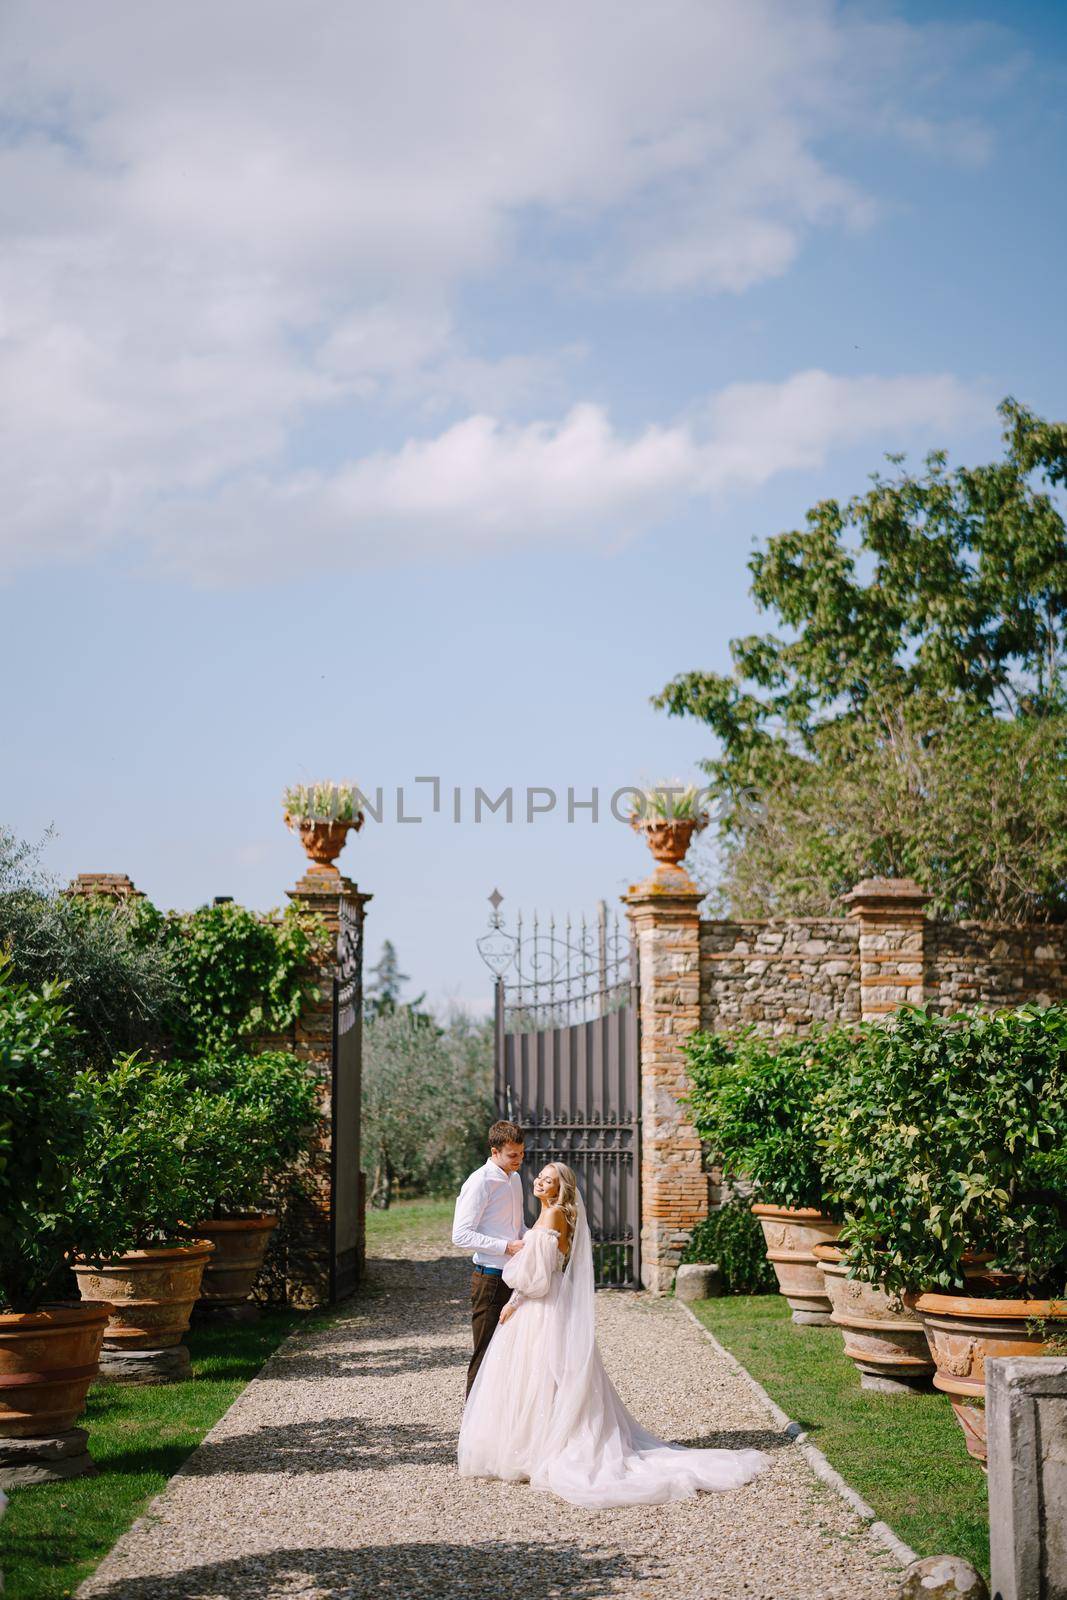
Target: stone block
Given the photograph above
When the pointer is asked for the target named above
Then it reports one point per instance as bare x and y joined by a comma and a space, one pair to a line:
1026, 1418
48, 1459
942, 1578
145, 1366
698, 1281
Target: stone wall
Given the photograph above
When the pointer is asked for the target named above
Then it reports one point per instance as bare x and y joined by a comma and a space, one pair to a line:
784, 976
781, 976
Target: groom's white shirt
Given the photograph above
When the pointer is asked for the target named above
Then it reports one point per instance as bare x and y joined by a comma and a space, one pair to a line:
489, 1214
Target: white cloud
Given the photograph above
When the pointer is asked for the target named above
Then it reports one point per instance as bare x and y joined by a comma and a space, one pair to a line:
220, 225
484, 486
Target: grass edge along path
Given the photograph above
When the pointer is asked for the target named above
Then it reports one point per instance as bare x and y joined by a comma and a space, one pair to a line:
904, 1454
55, 1534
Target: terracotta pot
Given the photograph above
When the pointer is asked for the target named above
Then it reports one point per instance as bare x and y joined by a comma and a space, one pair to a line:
323, 841
791, 1235
669, 838
48, 1359
240, 1245
882, 1335
964, 1333
152, 1293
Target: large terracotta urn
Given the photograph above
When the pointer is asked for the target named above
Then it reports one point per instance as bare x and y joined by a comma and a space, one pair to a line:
323, 840
791, 1234
882, 1335
240, 1246
669, 838
152, 1293
964, 1332
48, 1359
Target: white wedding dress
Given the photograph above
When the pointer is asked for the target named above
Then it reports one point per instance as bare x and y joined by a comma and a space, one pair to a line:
543, 1410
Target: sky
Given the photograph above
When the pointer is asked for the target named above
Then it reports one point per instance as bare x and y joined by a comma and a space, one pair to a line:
400, 391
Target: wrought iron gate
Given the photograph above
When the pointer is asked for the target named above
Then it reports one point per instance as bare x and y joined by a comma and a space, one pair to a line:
345, 1105
566, 1068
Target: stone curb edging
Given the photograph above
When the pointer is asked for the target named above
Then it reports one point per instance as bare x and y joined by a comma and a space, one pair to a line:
879, 1531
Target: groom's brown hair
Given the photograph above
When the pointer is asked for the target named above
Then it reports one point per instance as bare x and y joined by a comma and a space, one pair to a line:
502, 1133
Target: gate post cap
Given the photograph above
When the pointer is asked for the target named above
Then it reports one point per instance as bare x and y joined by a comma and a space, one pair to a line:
881, 896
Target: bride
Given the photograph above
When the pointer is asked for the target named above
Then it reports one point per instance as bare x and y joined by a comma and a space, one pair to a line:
542, 1408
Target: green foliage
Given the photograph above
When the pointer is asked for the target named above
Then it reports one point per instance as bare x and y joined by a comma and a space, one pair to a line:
946, 1136
427, 1100
733, 1238
931, 596
45, 1116
153, 1152
973, 807
176, 1144
118, 989
271, 1105
670, 798
323, 802
754, 1100
237, 975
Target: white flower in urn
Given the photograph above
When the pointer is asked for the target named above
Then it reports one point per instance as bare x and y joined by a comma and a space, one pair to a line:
322, 813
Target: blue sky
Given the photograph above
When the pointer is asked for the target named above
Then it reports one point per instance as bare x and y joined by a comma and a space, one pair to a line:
395, 391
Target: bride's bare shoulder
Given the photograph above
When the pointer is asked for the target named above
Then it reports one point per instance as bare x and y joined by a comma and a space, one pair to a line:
555, 1218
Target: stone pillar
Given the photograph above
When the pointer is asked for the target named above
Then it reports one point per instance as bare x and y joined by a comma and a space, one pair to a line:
1026, 1417
665, 922
892, 923
301, 1251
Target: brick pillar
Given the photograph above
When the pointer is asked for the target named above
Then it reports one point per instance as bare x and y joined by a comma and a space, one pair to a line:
892, 926
302, 1255
115, 885
664, 917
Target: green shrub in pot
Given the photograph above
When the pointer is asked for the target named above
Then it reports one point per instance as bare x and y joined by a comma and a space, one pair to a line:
47, 1113
754, 1103
269, 1114
941, 1138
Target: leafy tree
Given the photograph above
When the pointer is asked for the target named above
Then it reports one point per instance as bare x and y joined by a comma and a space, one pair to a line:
932, 596
118, 989
382, 993
972, 806
426, 1098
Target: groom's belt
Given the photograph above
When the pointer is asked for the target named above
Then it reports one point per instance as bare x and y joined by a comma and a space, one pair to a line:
490, 1272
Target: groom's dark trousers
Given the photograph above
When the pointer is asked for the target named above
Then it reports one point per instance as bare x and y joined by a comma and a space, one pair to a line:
489, 1295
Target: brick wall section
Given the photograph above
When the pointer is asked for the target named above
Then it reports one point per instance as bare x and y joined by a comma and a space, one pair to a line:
781, 976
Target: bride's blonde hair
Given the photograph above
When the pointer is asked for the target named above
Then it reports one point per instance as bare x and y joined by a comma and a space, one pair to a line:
567, 1198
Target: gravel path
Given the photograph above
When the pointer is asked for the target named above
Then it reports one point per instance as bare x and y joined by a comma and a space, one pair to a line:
332, 1478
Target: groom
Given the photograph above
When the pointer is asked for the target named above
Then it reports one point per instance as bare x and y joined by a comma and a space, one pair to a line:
490, 1222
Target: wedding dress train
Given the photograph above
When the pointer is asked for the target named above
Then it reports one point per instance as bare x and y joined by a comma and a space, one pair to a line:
543, 1409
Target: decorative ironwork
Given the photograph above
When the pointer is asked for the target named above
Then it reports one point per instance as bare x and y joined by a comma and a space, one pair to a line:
345, 1102
566, 1065
349, 997
554, 973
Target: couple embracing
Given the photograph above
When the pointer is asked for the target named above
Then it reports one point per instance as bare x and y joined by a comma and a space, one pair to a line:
540, 1407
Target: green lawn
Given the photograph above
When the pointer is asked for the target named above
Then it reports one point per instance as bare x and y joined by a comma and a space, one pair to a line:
55, 1533
407, 1222
903, 1453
